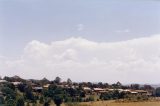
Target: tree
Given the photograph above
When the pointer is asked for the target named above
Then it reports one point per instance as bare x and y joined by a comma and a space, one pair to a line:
10, 102
27, 104
100, 85
51, 91
21, 87
158, 91
7, 79
148, 87
41, 100
118, 85
82, 94
33, 104
106, 96
28, 93
135, 86
1, 100
91, 98
44, 81
58, 100
10, 93
57, 80
116, 94
20, 102
69, 81
58, 96
10, 85
47, 102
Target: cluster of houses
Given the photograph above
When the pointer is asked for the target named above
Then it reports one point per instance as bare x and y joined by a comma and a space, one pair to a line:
87, 90
127, 91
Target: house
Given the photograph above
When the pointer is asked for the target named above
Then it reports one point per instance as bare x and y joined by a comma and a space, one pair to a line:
110, 89
87, 90
99, 90
16, 83
3, 81
37, 89
123, 90
33, 85
46, 86
139, 92
142, 92
61, 86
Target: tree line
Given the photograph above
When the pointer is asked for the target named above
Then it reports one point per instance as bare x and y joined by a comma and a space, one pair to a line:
24, 95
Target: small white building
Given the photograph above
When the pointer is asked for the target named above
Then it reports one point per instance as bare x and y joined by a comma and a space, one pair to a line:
16, 83
3, 81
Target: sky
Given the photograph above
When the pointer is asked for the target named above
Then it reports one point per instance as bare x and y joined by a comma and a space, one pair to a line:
85, 40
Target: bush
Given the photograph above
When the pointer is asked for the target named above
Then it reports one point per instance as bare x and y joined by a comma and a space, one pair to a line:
158, 92
47, 102
27, 104
10, 93
33, 104
41, 100
10, 102
68, 99
106, 96
20, 102
1, 100
91, 98
58, 100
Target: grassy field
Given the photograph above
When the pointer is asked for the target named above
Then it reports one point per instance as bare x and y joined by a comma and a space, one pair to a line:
111, 103
107, 103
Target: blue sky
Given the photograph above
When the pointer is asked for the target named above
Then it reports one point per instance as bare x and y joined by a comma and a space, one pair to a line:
99, 20
114, 39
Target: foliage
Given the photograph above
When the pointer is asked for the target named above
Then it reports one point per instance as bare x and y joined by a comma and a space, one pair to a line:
10, 102
21, 87
10, 85
20, 101
58, 100
41, 100
29, 94
2, 100
69, 81
57, 80
47, 102
106, 96
10, 93
135, 86
112, 95
70, 94
91, 98
158, 91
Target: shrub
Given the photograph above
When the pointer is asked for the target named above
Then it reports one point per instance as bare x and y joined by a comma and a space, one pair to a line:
91, 98
10, 102
1, 100
20, 102
41, 100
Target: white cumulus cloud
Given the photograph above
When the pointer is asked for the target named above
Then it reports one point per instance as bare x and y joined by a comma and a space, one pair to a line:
132, 61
